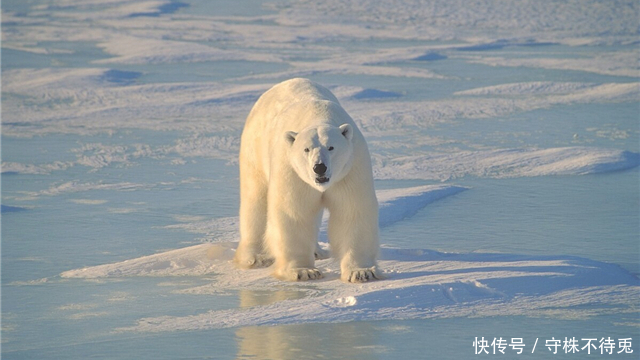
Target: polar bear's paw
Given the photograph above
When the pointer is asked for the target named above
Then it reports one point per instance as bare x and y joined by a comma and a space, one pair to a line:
299, 274
253, 261
362, 275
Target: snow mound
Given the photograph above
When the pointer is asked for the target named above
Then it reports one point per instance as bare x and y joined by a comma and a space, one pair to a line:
190, 261
399, 204
420, 284
395, 205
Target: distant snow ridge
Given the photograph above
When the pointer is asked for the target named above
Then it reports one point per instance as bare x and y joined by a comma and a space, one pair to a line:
137, 50
507, 163
375, 94
616, 63
18, 168
75, 186
97, 155
111, 100
487, 103
529, 88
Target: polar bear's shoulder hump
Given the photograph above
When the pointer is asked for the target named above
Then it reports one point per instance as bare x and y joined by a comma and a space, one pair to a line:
300, 89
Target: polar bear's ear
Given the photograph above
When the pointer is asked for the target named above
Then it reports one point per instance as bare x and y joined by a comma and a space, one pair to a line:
347, 131
290, 136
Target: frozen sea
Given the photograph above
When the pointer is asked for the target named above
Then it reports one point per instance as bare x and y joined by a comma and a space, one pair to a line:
505, 142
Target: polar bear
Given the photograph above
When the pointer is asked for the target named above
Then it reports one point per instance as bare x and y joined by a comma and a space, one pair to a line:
301, 153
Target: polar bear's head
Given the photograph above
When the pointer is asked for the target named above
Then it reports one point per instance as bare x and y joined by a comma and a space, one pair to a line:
321, 155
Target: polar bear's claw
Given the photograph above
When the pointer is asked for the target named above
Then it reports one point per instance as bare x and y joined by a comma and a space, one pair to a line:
308, 274
299, 274
363, 275
262, 261
254, 262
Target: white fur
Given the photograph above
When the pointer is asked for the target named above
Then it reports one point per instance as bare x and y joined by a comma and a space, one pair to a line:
292, 127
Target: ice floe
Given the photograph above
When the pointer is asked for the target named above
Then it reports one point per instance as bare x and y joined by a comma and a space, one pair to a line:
420, 283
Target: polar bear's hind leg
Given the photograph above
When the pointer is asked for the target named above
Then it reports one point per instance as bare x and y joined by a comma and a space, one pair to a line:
251, 252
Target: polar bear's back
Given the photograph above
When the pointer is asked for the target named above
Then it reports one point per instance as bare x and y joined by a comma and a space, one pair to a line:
295, 90
284, 95
300, 89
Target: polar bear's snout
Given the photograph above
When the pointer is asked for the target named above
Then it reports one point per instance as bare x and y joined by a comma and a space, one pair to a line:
320, 169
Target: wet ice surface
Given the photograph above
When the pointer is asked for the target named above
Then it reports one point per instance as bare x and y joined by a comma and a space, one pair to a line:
505, 148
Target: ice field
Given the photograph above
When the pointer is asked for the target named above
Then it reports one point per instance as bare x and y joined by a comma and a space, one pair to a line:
505, 143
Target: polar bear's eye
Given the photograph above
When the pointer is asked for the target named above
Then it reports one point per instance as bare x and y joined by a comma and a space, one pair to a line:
306, 150
330, 148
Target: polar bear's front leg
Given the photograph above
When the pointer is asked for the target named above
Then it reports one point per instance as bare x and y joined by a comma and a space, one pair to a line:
353, 230
292, 239
357, 268
293, 245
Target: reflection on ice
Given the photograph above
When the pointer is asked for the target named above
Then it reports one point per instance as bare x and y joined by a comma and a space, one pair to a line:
294, 342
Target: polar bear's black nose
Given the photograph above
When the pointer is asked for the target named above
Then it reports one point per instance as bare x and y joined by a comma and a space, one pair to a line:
320, 168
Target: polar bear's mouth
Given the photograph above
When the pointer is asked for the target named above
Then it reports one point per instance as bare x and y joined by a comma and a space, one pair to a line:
322, 179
